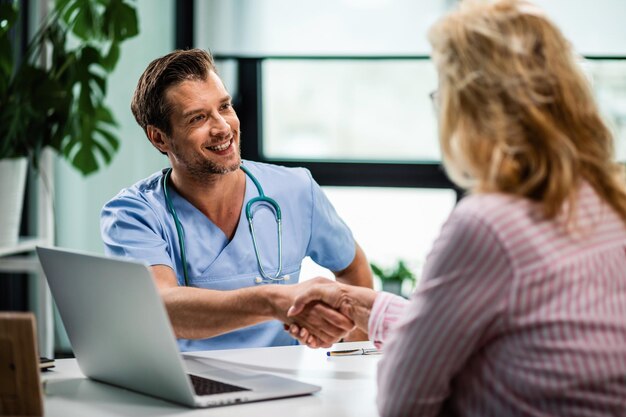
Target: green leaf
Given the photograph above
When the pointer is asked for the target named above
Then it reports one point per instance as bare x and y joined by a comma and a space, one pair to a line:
68, 10
89, 55
119, 21
377, 271
68, 146
106, 155
85, 20
99, 82
104, 115
6, 63
62, 4
113, 142
8, 17
87, 108
130, 27
85, 161
399, 273
110, 60
62, 106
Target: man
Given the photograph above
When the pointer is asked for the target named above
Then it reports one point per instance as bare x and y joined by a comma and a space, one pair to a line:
211, 262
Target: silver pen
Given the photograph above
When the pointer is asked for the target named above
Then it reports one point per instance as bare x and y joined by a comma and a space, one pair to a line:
353, 352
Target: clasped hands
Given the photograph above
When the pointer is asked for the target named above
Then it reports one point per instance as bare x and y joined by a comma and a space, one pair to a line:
324, 311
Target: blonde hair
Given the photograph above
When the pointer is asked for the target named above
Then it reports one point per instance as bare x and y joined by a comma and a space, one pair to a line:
517, 115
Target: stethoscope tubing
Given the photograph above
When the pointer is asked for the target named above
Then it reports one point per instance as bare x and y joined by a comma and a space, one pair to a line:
262, 198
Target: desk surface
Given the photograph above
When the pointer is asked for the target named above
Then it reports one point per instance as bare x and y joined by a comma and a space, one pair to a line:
348, 387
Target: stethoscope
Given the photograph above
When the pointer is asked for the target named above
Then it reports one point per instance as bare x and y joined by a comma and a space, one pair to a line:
262, 198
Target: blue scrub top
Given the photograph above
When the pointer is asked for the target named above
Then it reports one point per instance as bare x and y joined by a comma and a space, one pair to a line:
137, 224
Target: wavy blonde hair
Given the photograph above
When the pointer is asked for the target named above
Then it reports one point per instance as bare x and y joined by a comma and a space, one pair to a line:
517, 115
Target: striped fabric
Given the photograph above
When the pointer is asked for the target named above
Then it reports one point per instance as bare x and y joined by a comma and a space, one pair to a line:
513, 317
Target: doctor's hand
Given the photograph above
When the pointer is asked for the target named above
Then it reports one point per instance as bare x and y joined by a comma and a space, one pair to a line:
351, 301
324, 325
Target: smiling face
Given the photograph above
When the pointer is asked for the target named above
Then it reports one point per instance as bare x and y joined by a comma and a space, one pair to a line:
204, 138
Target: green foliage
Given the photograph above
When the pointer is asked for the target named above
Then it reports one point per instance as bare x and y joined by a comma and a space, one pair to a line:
60, 103
398, 273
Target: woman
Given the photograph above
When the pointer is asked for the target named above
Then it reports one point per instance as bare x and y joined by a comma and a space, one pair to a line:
522, 305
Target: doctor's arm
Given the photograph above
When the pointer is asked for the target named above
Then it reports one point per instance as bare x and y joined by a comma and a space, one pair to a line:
201, 313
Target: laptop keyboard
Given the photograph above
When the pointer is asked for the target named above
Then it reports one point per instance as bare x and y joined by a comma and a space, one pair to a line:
205, 386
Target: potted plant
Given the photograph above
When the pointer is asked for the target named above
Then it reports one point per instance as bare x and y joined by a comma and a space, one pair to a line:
53, 96
393, 278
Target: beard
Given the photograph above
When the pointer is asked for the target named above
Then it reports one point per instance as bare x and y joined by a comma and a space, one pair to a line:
205, 167
200, 167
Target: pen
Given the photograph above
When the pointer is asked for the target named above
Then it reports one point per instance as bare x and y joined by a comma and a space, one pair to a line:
352, 352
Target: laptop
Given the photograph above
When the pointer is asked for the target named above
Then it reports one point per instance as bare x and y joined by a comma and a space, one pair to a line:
121, 335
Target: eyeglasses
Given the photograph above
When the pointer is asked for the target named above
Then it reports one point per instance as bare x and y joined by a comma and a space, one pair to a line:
434, 98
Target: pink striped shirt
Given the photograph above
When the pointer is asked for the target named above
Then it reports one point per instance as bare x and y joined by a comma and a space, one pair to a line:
513, 317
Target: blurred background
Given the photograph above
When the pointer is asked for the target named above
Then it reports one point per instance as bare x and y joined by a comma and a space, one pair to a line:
340, 87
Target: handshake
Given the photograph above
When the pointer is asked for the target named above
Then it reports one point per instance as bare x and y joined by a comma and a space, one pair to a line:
321, 311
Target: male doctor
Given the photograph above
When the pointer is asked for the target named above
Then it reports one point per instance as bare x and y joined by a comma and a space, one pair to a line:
227, 281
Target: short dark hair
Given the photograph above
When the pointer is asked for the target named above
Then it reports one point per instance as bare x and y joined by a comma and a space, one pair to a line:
148, 104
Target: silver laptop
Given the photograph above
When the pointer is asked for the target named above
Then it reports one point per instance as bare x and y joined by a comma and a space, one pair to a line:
121, 335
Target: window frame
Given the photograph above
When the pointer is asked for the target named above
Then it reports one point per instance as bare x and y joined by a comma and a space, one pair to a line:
249, 105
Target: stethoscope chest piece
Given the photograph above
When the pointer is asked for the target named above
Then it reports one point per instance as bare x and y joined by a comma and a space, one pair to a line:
260, 280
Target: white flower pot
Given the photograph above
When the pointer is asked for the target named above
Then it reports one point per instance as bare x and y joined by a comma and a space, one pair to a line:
12, 184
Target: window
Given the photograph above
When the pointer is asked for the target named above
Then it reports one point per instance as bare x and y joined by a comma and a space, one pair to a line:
349, 110
390, 223
351, 121
608, 77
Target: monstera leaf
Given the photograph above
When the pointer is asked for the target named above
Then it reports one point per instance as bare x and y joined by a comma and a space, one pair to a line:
61, 104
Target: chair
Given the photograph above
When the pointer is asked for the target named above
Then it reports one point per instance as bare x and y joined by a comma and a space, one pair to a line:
20, 386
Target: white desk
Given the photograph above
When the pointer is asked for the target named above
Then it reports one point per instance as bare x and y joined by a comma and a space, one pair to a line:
348, 387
